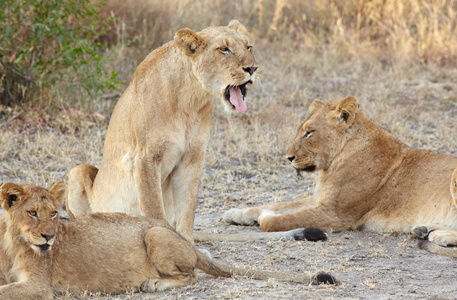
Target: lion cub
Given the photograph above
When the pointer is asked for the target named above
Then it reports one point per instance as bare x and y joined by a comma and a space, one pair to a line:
41, 255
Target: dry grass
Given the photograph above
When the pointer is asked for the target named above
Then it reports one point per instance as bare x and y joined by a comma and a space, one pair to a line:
397, 57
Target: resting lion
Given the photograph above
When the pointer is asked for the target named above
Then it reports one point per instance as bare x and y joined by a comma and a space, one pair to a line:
158, 133
41, 255
367, 179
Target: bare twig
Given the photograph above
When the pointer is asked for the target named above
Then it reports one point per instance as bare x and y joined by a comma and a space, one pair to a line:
110, 96
13, 117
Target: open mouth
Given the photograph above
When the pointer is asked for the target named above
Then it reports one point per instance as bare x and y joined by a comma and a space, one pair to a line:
308, 169
235, 95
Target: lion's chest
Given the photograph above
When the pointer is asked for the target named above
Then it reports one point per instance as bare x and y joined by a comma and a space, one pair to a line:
172, 156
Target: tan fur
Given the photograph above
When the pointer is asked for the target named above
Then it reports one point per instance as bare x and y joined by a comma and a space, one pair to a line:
41, 255
439, 240
156, 141
367, 179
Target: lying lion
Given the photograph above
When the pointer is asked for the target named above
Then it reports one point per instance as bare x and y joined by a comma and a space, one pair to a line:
367, 179
156, 140
110, 253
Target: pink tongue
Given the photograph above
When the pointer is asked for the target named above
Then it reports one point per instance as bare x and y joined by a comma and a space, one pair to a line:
236, 98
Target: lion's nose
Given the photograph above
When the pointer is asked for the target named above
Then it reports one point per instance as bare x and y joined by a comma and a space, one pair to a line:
251, 69
291, 158
47, 236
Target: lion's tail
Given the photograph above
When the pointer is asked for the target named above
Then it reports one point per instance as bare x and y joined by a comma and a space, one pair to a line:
80, 182
211, 267
434, 248
299, 234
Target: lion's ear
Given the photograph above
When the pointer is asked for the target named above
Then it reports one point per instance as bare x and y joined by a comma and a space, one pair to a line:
189, 41
238, 27
57, 190
347, 109
344, 114
316, 103
11, 194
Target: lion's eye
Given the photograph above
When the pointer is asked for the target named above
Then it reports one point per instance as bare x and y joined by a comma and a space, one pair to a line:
32, 213
225, 50
53, 214
307, 134
249, 48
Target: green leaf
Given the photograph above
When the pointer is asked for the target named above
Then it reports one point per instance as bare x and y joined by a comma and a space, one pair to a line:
18, 60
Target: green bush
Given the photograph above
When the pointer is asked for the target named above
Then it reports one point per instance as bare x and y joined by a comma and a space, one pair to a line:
43, 43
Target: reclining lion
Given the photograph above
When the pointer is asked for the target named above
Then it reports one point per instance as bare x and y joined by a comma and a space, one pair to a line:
41, 255
366, 179
156, 141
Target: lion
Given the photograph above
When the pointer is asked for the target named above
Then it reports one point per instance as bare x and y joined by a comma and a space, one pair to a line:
156, 140
366, 179
41, 255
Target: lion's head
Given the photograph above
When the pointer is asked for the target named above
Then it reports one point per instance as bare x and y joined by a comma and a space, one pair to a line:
33, 212
322, 134
223, 60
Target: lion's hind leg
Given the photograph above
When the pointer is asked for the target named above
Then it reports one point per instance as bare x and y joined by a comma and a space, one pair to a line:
172, 256
80, 183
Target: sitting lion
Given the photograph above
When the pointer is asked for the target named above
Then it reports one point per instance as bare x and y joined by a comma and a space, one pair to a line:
366, 179
158, 133
110, 253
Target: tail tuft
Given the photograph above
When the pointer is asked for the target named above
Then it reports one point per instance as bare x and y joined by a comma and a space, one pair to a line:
325, 278
422, 244
309, 234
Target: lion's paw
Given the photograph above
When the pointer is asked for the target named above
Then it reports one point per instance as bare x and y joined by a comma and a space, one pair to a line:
238, 216
443, 238
420, 232
150, 285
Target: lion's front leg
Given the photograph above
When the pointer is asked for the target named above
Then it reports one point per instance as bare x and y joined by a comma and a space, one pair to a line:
148, 183
25, 291
185, 182
250, 216
322, 217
